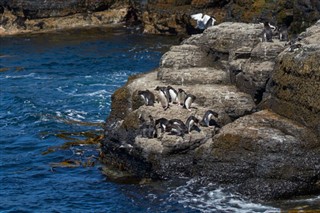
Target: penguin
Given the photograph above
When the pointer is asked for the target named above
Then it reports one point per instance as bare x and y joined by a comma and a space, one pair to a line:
188, 101
177, 130
207, 118
267, 32
181, 96
283, 34
148, 97
173, 94
294, 47
190, 123
164, 99
177, 127
163, 123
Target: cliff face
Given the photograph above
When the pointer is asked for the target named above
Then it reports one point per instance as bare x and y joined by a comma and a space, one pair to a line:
157, 16
260, 147
173, 17
294, 87
20, 16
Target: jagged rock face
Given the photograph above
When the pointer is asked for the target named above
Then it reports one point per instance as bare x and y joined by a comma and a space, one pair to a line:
250, 69
297, 15
295, 84
239, 48
33, 16
228, 36
54, 8
268, 155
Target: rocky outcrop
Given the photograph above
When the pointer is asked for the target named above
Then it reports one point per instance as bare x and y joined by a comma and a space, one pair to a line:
173, 17
264, 154
38, 16
294, 88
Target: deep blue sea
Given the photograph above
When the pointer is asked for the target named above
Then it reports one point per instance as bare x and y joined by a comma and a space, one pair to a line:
55, 91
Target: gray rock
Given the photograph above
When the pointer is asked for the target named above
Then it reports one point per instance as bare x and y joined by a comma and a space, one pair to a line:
228, 36
250, 69
191, 76
186, 56
263, 147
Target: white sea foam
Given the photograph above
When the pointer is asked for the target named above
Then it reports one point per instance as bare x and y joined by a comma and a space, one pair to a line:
212, 198
98, 93
30, 75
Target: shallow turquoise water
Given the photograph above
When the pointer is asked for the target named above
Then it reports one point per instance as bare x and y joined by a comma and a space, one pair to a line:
56, 88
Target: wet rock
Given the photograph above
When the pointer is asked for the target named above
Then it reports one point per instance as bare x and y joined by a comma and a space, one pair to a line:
261, 149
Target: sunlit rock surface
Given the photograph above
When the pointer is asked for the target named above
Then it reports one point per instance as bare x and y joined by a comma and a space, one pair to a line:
265, 154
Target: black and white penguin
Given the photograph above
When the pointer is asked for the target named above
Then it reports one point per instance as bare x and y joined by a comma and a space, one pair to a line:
177, 130
162, 123
207, 119
148, 97
188, 101
267, 32
181, 96
177, 127
190, 123
173, 94
163, 96
294, 47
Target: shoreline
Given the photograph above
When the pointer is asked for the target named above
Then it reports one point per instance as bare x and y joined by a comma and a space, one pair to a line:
260, 147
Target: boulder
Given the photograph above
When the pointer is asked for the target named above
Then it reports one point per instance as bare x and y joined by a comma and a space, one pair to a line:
228, 36
250, 69
268, 155
186, 56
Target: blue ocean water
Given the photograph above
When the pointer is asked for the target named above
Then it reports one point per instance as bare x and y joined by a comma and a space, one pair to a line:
56, 89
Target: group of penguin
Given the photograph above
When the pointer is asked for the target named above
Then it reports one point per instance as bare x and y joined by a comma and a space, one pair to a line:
149, 129
166, 96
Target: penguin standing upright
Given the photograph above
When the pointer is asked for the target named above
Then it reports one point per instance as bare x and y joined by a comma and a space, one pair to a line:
207, 118
163, 96
181, 96
173, 94
267, 32
188, 101
190, 123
